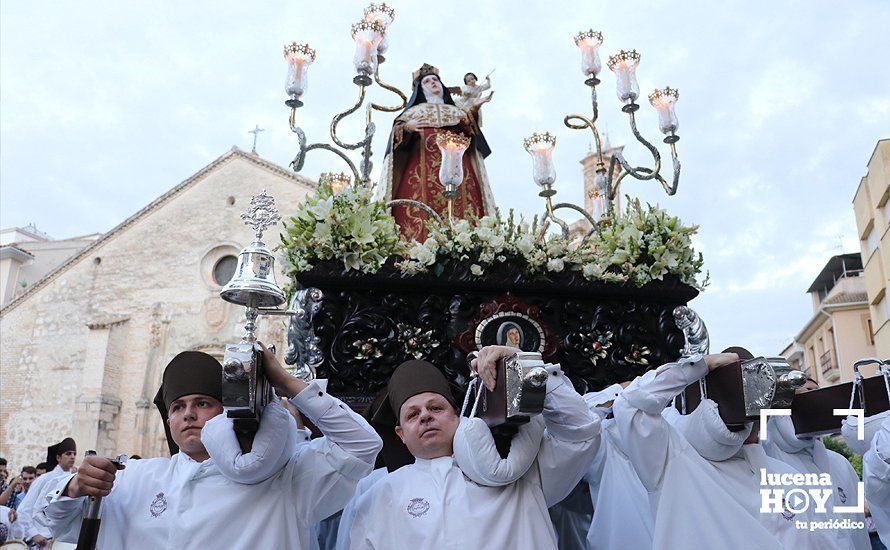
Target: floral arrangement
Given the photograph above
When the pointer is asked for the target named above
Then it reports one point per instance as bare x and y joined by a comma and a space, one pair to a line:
488, 243
645, 244
349, 226
641, 245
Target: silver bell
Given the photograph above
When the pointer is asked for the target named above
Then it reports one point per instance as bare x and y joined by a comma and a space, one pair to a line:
253, 284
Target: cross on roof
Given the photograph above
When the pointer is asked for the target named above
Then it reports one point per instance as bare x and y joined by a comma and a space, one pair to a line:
255, 131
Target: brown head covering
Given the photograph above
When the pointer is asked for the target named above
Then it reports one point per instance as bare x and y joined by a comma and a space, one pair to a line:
188, 373
53, 451
409, 379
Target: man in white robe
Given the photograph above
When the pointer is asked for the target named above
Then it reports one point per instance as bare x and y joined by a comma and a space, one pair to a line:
60, 460
875, 451
809, 455
433, 504
618, 496
348, 515
186, 501
704, 478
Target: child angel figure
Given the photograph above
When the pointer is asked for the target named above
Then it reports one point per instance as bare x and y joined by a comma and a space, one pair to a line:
469, 96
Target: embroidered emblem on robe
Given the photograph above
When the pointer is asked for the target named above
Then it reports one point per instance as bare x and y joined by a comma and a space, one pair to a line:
158, 505
786, 513
842, 495
418, 507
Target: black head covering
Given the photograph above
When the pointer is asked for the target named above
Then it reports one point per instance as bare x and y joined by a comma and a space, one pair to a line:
53, 451
418, 97
189, 372
409, 379
744, 355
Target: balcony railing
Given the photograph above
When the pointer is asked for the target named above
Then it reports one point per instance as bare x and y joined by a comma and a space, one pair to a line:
826, 362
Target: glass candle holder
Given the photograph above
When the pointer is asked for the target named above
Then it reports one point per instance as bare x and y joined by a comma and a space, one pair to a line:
664, 100
598, 197
624, 65
589, 43
540, 147
337, 180
383, 15
298, 57
367, 35
451, 173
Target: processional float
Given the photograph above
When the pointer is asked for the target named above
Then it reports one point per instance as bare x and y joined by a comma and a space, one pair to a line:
353, 327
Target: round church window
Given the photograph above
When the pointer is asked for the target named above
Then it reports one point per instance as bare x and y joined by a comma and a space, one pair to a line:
224, 269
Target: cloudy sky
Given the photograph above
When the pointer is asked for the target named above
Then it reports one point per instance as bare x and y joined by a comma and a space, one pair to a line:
106, 105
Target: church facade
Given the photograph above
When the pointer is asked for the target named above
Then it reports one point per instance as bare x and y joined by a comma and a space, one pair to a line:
83, 349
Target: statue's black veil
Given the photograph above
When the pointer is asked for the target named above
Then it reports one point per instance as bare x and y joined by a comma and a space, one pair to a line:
418, 97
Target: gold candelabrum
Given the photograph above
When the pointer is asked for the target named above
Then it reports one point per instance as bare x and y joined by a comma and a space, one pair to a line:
369, 35
608, 178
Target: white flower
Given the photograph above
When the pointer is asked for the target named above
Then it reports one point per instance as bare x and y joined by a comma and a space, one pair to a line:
589, 271
322, 209
322, 232
484, 233
431, 244
422, 254
536, 258
556, 247
497, 241
285, 263
476, 269
352, 260
556, 264
462, 226
489, 222
464, 240
363, 231
525, 244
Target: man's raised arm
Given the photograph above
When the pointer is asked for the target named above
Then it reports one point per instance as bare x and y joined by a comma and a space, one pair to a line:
571, 437
638, 412
339, 424
571, 431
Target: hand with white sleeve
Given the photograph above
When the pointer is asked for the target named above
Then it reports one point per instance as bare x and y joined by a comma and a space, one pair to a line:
94, 478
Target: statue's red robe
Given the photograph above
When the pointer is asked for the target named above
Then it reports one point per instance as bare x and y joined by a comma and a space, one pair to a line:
415, 168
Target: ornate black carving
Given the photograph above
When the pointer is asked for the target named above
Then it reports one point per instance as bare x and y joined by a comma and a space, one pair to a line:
369, 324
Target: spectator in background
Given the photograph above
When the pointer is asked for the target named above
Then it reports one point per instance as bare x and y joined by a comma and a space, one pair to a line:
18, 488
60, 460
3, 474
41, 469
7, 518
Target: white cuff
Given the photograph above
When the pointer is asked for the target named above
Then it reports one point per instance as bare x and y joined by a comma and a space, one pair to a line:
652, 391
313, 402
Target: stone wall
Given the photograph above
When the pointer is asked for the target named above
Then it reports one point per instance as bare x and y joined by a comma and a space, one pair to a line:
83, 354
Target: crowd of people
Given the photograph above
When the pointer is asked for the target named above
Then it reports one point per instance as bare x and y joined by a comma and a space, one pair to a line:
618, 468
23, 495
